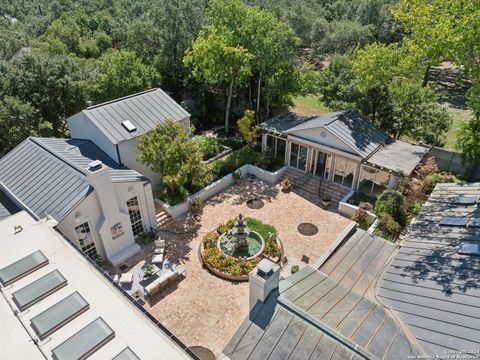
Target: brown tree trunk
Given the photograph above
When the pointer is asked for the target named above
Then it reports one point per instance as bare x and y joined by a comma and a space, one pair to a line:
229, 102
425, 76
257, 113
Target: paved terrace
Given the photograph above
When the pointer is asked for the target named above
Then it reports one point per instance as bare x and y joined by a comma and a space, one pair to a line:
205, 310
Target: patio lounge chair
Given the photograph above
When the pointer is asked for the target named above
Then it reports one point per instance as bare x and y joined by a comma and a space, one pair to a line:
126, 279
160, 243
158, 250
157, 259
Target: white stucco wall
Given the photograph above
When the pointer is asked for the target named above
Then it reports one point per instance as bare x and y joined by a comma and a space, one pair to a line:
91, 210
128, 156
82, 128
328, 139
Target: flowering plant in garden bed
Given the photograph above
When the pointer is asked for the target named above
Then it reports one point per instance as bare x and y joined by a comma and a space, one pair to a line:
361, 217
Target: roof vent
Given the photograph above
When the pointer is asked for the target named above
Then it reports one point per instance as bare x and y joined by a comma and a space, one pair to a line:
129, 126
265, 268
95, 165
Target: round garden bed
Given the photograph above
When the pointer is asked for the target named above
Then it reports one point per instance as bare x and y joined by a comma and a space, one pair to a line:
235, 268
307, 229
255, 204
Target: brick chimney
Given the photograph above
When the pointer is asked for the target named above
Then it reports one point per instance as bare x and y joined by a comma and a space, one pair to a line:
263, 279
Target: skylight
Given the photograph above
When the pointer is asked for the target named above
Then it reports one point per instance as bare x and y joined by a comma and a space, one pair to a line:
129, 126
469, 249
39, 289
20, 268
85, 342
126, 354
453, 221
59, 315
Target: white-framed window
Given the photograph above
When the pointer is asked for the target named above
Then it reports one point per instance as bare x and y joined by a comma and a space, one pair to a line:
277, 145
135, 216
85, 239
344, 172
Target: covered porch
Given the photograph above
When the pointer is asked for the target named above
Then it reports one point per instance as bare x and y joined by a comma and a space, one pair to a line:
341, 168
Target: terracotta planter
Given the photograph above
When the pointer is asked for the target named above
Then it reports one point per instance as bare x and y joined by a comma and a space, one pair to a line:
287, 188
326, 203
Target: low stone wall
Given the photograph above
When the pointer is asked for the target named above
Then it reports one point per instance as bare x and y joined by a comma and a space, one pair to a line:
176, 211
451, 161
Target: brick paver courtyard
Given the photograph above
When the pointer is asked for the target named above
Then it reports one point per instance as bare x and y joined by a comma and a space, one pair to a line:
205, 310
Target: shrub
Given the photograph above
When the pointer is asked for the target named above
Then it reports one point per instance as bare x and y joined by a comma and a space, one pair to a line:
246, 127
196, 205
261, 228
358, 198
391, 202
437, 178
245, 155
210, 240
387, 228
144, 238
415, 207
223, 228
209, 146
361, 217
237, 175
326, 198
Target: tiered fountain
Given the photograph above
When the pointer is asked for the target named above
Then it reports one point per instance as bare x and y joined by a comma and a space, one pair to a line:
241, 242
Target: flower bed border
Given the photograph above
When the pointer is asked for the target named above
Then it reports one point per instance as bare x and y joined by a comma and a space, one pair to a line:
239, 278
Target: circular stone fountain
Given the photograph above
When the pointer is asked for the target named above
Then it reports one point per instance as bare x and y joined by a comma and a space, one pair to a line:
241, 242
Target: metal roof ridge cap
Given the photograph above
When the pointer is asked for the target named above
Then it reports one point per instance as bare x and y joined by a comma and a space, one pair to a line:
120, 99
57, 155
326, 329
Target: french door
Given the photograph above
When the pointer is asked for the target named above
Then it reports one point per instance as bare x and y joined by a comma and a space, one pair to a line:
298, 156
321, 164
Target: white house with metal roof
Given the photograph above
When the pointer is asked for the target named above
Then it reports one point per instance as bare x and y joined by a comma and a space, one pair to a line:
115, 126
55, 305
99, 205
343, 148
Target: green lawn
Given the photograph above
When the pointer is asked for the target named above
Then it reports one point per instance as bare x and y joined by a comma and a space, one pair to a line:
309, 105
459, 116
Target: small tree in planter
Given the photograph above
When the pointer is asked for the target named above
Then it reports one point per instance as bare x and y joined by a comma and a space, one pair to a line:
326, 200
237, 177
245, 126
286, 185
361, 217
196, 205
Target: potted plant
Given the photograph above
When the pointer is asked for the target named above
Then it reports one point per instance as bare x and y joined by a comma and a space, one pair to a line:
326, 199
294, 269
237, 177
286, 185
196, 205
148, 270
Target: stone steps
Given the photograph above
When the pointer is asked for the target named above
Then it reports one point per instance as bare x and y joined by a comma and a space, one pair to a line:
305, 183
163, 218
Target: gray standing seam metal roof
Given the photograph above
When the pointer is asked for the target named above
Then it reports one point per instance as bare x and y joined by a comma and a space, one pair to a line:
350, 127
144, 110
47, 174
433, 288
7, 207
399, 156
332, 313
